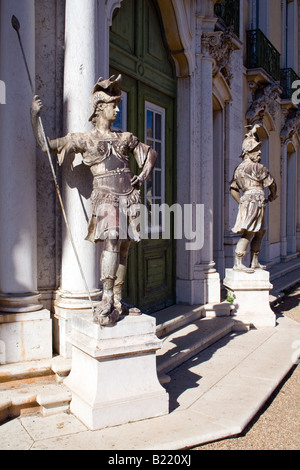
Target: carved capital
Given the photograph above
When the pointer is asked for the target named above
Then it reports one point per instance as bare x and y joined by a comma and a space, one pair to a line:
219, 46
291, 125
264, 99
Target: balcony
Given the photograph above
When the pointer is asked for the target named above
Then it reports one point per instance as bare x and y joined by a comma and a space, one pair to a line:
288, 76
262, 54
228, 12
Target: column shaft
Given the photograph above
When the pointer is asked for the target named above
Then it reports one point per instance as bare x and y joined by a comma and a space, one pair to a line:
79, 79
18, 267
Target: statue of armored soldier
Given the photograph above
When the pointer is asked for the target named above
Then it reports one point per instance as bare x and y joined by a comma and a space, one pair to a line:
251, 178
116, 191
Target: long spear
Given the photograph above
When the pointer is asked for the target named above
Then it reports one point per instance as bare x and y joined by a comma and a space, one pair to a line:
16, 25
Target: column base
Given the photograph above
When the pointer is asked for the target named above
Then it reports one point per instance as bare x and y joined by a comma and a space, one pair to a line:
25, 336
204, 288
113, 379
211, 289
20, 303
250, 294
75, 300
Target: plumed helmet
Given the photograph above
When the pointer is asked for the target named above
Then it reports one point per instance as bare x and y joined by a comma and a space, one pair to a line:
251, 143
105, 91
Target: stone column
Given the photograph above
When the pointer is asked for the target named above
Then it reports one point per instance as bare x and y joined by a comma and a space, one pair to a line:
291, 203
283, 194
80, 76
25, 327
205, 270
187, 188
298, 203
198, 282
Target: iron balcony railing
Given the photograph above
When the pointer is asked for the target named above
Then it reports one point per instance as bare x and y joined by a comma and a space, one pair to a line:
288, 76
229, 12
262, 53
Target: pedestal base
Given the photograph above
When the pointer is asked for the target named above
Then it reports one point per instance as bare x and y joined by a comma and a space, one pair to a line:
113, 377
251, 297
25, 336
65, 305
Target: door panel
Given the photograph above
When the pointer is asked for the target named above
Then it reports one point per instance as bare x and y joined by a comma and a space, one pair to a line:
149, 82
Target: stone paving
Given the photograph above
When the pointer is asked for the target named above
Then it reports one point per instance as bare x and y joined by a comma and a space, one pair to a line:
213, 396
277, 425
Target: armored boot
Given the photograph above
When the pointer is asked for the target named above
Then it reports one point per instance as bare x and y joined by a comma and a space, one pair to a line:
238, 265
255, 264
118, 286
107, 296
255, 250
109, 265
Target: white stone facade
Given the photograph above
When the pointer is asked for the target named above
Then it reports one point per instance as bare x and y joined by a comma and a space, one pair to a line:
67, 49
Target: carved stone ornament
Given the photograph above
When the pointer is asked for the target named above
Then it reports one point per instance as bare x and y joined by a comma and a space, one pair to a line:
219, 46
264, 99
291, 125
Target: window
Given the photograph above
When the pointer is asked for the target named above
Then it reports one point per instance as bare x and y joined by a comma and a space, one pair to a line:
155, 138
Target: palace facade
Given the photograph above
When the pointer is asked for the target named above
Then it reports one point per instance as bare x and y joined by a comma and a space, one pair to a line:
195, 74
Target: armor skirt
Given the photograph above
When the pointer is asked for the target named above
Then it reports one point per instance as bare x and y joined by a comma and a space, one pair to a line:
251, 212
115, 211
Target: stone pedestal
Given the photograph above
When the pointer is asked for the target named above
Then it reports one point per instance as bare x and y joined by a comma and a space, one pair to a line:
113, 377
25, 336
251, 297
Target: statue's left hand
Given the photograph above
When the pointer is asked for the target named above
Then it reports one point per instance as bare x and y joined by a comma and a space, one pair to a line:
136, 181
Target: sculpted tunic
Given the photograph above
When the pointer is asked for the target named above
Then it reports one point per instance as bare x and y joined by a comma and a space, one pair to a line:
114, 200
251, 178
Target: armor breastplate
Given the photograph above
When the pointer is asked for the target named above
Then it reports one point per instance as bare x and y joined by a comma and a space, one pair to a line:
115, 181
112, 162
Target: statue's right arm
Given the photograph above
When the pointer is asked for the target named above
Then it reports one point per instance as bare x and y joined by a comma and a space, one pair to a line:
36, 107
234, 191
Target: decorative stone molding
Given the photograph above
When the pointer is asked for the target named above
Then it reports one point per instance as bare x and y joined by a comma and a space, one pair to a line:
110, 6
219, 46
291, 125
264, 100
179, 34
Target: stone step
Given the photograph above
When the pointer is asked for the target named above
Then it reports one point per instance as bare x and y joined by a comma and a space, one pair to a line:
285, 282
175, 317
46, 396
178, 316
283, 276
31, 371
34, 386
280, 270
186, 342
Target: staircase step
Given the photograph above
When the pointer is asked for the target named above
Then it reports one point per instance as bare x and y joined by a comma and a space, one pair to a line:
34, 386
175, 317
46, 396
28, 387
31, 371
181, 345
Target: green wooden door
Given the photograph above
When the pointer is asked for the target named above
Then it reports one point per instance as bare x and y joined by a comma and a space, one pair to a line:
139, 52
